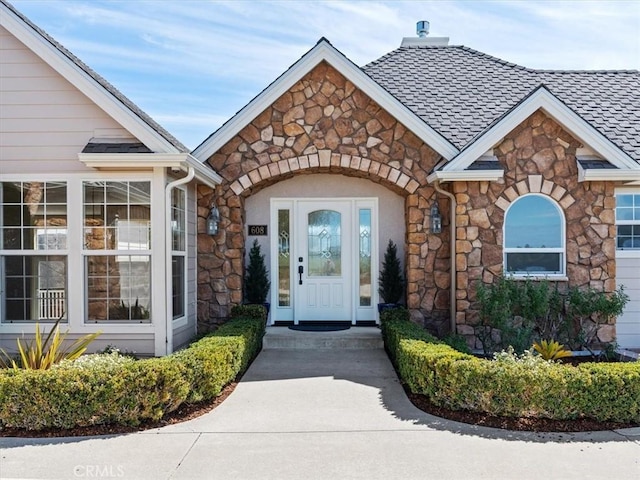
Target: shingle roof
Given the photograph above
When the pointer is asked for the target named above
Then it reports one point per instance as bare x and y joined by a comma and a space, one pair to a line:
459, 92
116, 147
100, 80
485, 165
591, 163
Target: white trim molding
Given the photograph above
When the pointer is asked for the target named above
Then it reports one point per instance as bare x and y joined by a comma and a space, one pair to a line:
543, 99
466, 175
145, 161
630, 177
324, 51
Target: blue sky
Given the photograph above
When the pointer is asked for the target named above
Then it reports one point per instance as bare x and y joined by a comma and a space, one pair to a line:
193, 64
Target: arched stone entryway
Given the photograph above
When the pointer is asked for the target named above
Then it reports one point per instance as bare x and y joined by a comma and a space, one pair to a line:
323, 124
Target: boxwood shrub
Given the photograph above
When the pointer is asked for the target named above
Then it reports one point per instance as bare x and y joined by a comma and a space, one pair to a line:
511, 386
116, 390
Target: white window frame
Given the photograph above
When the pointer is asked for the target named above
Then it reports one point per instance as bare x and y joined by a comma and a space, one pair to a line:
180, 320
120, 255
561, 250
626, 252
36, 252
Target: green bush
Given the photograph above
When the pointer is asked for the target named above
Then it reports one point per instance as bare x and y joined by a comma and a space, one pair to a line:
256, 280
110, 389
512, 385
391, 280
249, 311
528, 310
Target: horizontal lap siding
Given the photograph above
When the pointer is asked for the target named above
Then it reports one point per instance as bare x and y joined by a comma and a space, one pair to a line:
44, 120
628, 325
138, 343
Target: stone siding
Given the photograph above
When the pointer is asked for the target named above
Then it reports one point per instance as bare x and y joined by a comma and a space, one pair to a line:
323, 124
538, 157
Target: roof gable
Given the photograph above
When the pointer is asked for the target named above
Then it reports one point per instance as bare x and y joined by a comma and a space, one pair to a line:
101, 92
544, 100
324, 51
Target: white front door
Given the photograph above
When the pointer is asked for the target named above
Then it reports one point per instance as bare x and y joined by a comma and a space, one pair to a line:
324, 253
323, 259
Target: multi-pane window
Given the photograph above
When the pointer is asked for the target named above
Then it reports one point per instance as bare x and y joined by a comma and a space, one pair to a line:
178, 252
534, 237
628, 221
33, 251
117, 250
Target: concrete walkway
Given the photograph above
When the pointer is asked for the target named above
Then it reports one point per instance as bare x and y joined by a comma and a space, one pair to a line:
324, 414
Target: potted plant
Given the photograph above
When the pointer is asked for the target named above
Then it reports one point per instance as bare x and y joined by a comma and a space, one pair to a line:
256, 281
391, 281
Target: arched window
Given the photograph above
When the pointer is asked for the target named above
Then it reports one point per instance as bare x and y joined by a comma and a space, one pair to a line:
534, 237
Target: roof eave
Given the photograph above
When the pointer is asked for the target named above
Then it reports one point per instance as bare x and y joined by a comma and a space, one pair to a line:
323, 50
629, 177
466, 175
147, 161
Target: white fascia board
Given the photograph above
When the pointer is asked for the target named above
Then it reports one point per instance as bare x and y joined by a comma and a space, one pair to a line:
83, 82
132, 161
573, 123
204, 174
466, 175
146, 161
324, 51
608, 174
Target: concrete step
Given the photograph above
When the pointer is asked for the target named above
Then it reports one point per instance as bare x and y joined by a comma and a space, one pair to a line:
355, 338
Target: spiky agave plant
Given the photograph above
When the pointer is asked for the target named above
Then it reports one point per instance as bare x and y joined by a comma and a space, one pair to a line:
39, 354
551, 350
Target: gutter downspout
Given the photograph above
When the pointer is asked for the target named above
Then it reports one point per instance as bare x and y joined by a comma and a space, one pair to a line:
167, 249
452, 242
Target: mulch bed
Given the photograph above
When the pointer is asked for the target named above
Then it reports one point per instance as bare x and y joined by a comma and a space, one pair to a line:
524, 424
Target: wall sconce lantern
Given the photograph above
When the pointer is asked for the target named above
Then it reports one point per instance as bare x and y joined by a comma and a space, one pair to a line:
212, 221
436, 219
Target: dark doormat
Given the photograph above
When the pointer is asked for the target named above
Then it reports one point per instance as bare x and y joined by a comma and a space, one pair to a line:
321, 327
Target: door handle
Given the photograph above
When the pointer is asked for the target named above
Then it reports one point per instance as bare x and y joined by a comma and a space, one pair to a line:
300, 272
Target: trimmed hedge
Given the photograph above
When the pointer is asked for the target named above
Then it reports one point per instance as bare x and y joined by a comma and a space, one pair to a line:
119, 390
511, 386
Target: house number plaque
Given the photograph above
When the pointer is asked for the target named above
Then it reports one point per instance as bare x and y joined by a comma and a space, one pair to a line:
257, 230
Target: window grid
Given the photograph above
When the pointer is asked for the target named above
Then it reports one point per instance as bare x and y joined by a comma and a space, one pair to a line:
117, 250
178, 252
628, 221
33, 251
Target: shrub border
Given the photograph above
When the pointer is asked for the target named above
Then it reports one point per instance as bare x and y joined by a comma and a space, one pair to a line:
458, 381
131, 393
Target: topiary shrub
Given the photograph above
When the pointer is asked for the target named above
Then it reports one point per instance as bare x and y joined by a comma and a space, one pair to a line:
256, 281
391, 281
